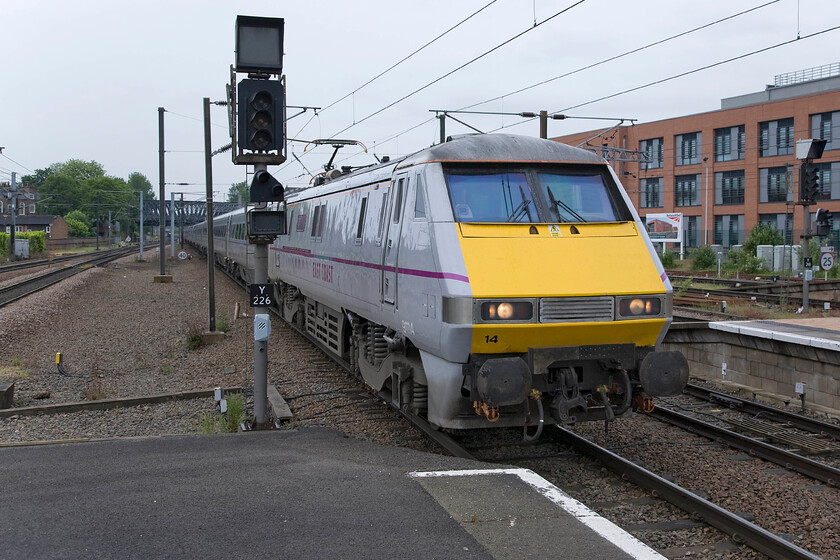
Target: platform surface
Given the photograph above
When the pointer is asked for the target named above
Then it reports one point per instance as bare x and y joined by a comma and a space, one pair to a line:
821, 332
309, 493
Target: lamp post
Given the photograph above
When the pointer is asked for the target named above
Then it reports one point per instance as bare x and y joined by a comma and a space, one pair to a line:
706, 205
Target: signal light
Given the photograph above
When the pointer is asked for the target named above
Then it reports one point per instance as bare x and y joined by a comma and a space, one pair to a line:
260, 108
265, 188
809, 187
823, 221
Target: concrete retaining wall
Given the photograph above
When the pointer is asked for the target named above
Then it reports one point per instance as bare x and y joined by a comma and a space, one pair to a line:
767, 367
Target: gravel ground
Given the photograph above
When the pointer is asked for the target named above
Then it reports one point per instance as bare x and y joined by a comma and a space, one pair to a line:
121, 335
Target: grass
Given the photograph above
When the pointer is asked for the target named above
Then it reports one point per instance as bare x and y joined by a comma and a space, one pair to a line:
15, 371
194, 339
222, 322
227, 422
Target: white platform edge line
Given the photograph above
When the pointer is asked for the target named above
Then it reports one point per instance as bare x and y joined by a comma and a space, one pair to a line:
604, 527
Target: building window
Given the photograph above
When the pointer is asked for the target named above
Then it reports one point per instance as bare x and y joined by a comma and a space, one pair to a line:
31, 208
1, 206
47, 230
688, 148
729, 187
686, 192
729, 230
729, 143
652, 193
826, 126
690, 230
776, 138
775, 185
653, 150
18, 229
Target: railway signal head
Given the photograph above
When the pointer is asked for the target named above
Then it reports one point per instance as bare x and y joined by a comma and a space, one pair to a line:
265, 188
260, 108
823, 220
809, 187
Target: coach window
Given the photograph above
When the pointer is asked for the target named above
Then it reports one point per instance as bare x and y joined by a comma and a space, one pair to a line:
419, 200
315, 218
361, 226
383, 213
301, 223
398, 201
318, 221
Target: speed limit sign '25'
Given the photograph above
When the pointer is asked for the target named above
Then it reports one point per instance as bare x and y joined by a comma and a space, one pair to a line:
826, 258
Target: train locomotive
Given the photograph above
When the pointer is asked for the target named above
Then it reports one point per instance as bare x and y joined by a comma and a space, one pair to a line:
490, 280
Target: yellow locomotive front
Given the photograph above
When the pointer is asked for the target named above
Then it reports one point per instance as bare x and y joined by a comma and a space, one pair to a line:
569, 299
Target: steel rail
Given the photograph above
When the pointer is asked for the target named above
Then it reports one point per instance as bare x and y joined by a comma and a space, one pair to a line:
19, 265
794, 419
741, 530
32, 285
787, 459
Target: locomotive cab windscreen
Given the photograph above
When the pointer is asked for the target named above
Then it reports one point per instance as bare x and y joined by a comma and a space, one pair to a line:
534, 194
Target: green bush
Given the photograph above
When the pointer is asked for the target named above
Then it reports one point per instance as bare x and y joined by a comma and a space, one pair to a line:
762, 234
743, 261
703, 258
37, 240
77, 228
668, 258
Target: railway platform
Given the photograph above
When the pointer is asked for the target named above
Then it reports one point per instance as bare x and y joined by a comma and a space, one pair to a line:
309, 493
769, 358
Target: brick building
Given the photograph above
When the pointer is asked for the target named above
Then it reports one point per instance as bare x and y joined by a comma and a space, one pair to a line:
727, 170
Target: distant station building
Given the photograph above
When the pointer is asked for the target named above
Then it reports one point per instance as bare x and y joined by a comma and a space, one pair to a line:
728, 170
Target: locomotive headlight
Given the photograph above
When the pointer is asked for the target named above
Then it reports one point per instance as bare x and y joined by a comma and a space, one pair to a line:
514, 311
505, 311
631, 307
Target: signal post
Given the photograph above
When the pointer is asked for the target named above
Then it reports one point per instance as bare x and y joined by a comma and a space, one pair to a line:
257, 119
809, 192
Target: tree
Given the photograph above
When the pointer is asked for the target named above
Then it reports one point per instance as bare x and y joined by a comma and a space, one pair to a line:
238, 190
59, 194
78, 169
36, 178
138, 182
77, 224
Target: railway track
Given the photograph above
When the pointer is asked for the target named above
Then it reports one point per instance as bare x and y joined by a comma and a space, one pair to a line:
41, 281
557, 444
786, 417
31, 263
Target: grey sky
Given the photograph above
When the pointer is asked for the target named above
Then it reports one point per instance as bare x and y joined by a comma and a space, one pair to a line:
84, 79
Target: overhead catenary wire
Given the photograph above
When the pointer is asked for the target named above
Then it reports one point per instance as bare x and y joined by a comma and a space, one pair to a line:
500, 45
16, 163
624, 54
589, 66
459, 68
680, 75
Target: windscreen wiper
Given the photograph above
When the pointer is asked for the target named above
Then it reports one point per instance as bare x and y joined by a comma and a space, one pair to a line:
520, 210
562, 205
